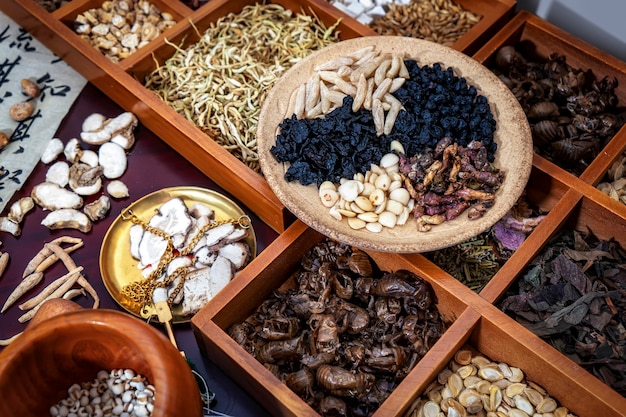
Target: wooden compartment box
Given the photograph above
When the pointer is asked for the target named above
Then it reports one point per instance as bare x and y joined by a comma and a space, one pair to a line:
123, 81
475, 322
538, 39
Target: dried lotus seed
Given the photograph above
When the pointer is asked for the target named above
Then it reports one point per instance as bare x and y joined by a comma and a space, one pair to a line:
401, 195
364, 203
377, 197
389, 160
369, 217
383, 182
350, 190
395, 207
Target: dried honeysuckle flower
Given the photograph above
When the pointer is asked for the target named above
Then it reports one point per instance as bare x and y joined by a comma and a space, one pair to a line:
220, 82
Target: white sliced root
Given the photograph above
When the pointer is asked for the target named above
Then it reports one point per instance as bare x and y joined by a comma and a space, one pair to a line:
121, 124
9, 226
98, 209
67, 219
59, 173
20, 208
52, 151
112, 160
93, 123
51, 196
89, 157
72, 150
22, 288
84, 179
117, 189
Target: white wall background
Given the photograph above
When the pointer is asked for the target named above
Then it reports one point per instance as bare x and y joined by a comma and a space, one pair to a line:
601, 23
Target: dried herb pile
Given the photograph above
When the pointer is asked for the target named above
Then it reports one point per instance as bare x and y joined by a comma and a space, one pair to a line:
572, 112
347, 334
475, 261
573, 295
220, 82
437, 104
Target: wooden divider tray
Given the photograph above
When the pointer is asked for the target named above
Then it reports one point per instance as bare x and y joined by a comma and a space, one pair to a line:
123, 81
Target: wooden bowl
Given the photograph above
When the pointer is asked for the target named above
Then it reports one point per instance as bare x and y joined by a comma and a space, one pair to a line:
512, 135
37, 369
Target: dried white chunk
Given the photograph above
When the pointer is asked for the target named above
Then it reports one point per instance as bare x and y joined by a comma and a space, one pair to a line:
72, 150
112, 159
89, 157
59, 173
67, 219
123, 124
20, 208
52, 151
93, 122
216, 234
237, 253
136, 233
51, 196
98, 209
85, 180
8, 225
117, 189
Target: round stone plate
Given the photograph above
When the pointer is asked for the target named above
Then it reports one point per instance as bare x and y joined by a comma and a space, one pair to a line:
119, 268
513, 157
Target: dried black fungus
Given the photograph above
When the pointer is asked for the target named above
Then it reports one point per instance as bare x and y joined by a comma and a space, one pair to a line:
437, 104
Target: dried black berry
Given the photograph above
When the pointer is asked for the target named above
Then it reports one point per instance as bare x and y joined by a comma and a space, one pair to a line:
436, 103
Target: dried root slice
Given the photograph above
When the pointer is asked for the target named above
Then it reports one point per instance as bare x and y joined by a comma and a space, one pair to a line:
20, 208
72, 150
52, 151
8, 225
98, 209
7, 342
51, 196
67, 219
22, 288
112, 159
122, 125
59, 173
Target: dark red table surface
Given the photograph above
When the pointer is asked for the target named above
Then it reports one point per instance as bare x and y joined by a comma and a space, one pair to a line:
152, 165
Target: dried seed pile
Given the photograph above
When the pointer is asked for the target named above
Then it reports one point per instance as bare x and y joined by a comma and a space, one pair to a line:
436, 104
119, 27
614, 184
572, 113
475, 261
572, 295
440, 21
347, 334
120, 392
220, 82
474, 385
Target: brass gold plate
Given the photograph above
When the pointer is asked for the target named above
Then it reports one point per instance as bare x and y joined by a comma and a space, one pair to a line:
118, 268
514, 154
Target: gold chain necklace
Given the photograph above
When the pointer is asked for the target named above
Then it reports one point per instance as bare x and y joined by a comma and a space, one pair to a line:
140, 292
